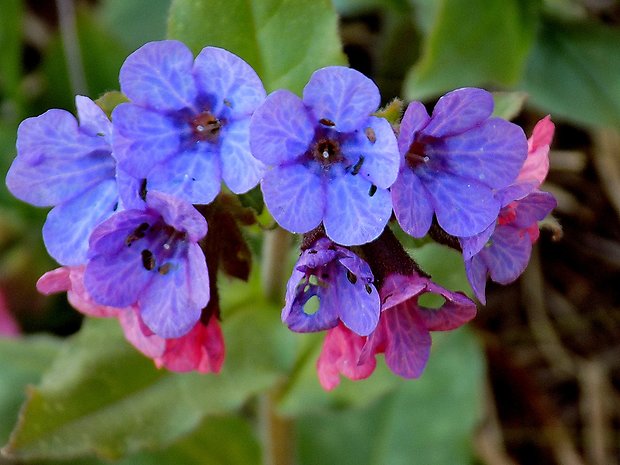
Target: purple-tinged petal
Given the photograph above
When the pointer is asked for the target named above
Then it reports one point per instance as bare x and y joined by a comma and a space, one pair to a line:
166, 306
194, 176
129, 188
159, 76
457, 310
508, 255
340, 354
55, 161
474, 244
280, 130
117, 279
412, 204
535, 207
376, 143
459, 111
110, 236
231, 80
295, 197
240, 170
325, 317
356, 212
93, 120
414, 120
491, 153
198, 276
356, 265
476, 271
68, 226
407, 341
397, 289
179, 214
146, 138
462, 208
341, 95
357, 302
514, 192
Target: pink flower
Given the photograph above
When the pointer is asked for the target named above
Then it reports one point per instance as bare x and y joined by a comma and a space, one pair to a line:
201, 349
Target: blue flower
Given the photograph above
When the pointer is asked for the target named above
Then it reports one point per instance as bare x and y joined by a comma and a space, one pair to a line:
454, 162
331, 160
343, 285
69, 166
150, 258
186, 128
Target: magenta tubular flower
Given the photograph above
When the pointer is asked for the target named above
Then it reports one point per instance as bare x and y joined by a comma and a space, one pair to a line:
454, 162
187, 126
151, 259
201, 349
343, 284
331, 160
403, 332
68, 166
502, 251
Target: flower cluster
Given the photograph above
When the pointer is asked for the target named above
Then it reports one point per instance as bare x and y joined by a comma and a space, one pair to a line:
132, 195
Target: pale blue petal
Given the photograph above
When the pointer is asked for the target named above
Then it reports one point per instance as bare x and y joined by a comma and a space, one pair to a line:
414, 119
358, 309
240, 170
179, 214
230, 80
194, 176
353, 216
69, 226
280, 129
295, 197
159, 76
93, 120
341, 95
143, 138
376, 143
55, 161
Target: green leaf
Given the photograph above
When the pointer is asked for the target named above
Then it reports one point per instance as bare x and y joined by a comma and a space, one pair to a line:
508, 104
119, 17
472, 43
424, 422
10, 44
283, 40
573, 73
102, 397
22, 361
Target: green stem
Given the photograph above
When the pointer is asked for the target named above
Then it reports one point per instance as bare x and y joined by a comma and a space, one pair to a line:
277, 432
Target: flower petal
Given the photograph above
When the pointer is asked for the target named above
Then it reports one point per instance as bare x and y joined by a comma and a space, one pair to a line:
280, 129
414, 120
534, 208
462, 208
159, 76
295, 197
240, 170
472, 245
68, 226
356, 211
179, 214
194, 176
230, 80
55, 161
459, 111
412, 204
376, 149
536, 164
508, 255
143, 138
491, 153
477, 272
93, 120
358, 303
457, 310
341, 95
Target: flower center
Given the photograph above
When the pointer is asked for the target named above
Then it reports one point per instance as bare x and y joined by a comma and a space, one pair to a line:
416, 154
206, 127
327, 151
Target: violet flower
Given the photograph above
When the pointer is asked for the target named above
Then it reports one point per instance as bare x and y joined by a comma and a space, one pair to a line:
454, 162
331, 160
68, 166
502, 251
343, 284
186, 128
151, 259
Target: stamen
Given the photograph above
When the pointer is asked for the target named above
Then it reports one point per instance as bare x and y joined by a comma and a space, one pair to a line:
148, 260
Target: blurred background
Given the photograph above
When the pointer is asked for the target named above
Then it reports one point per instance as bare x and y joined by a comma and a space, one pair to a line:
536, 377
